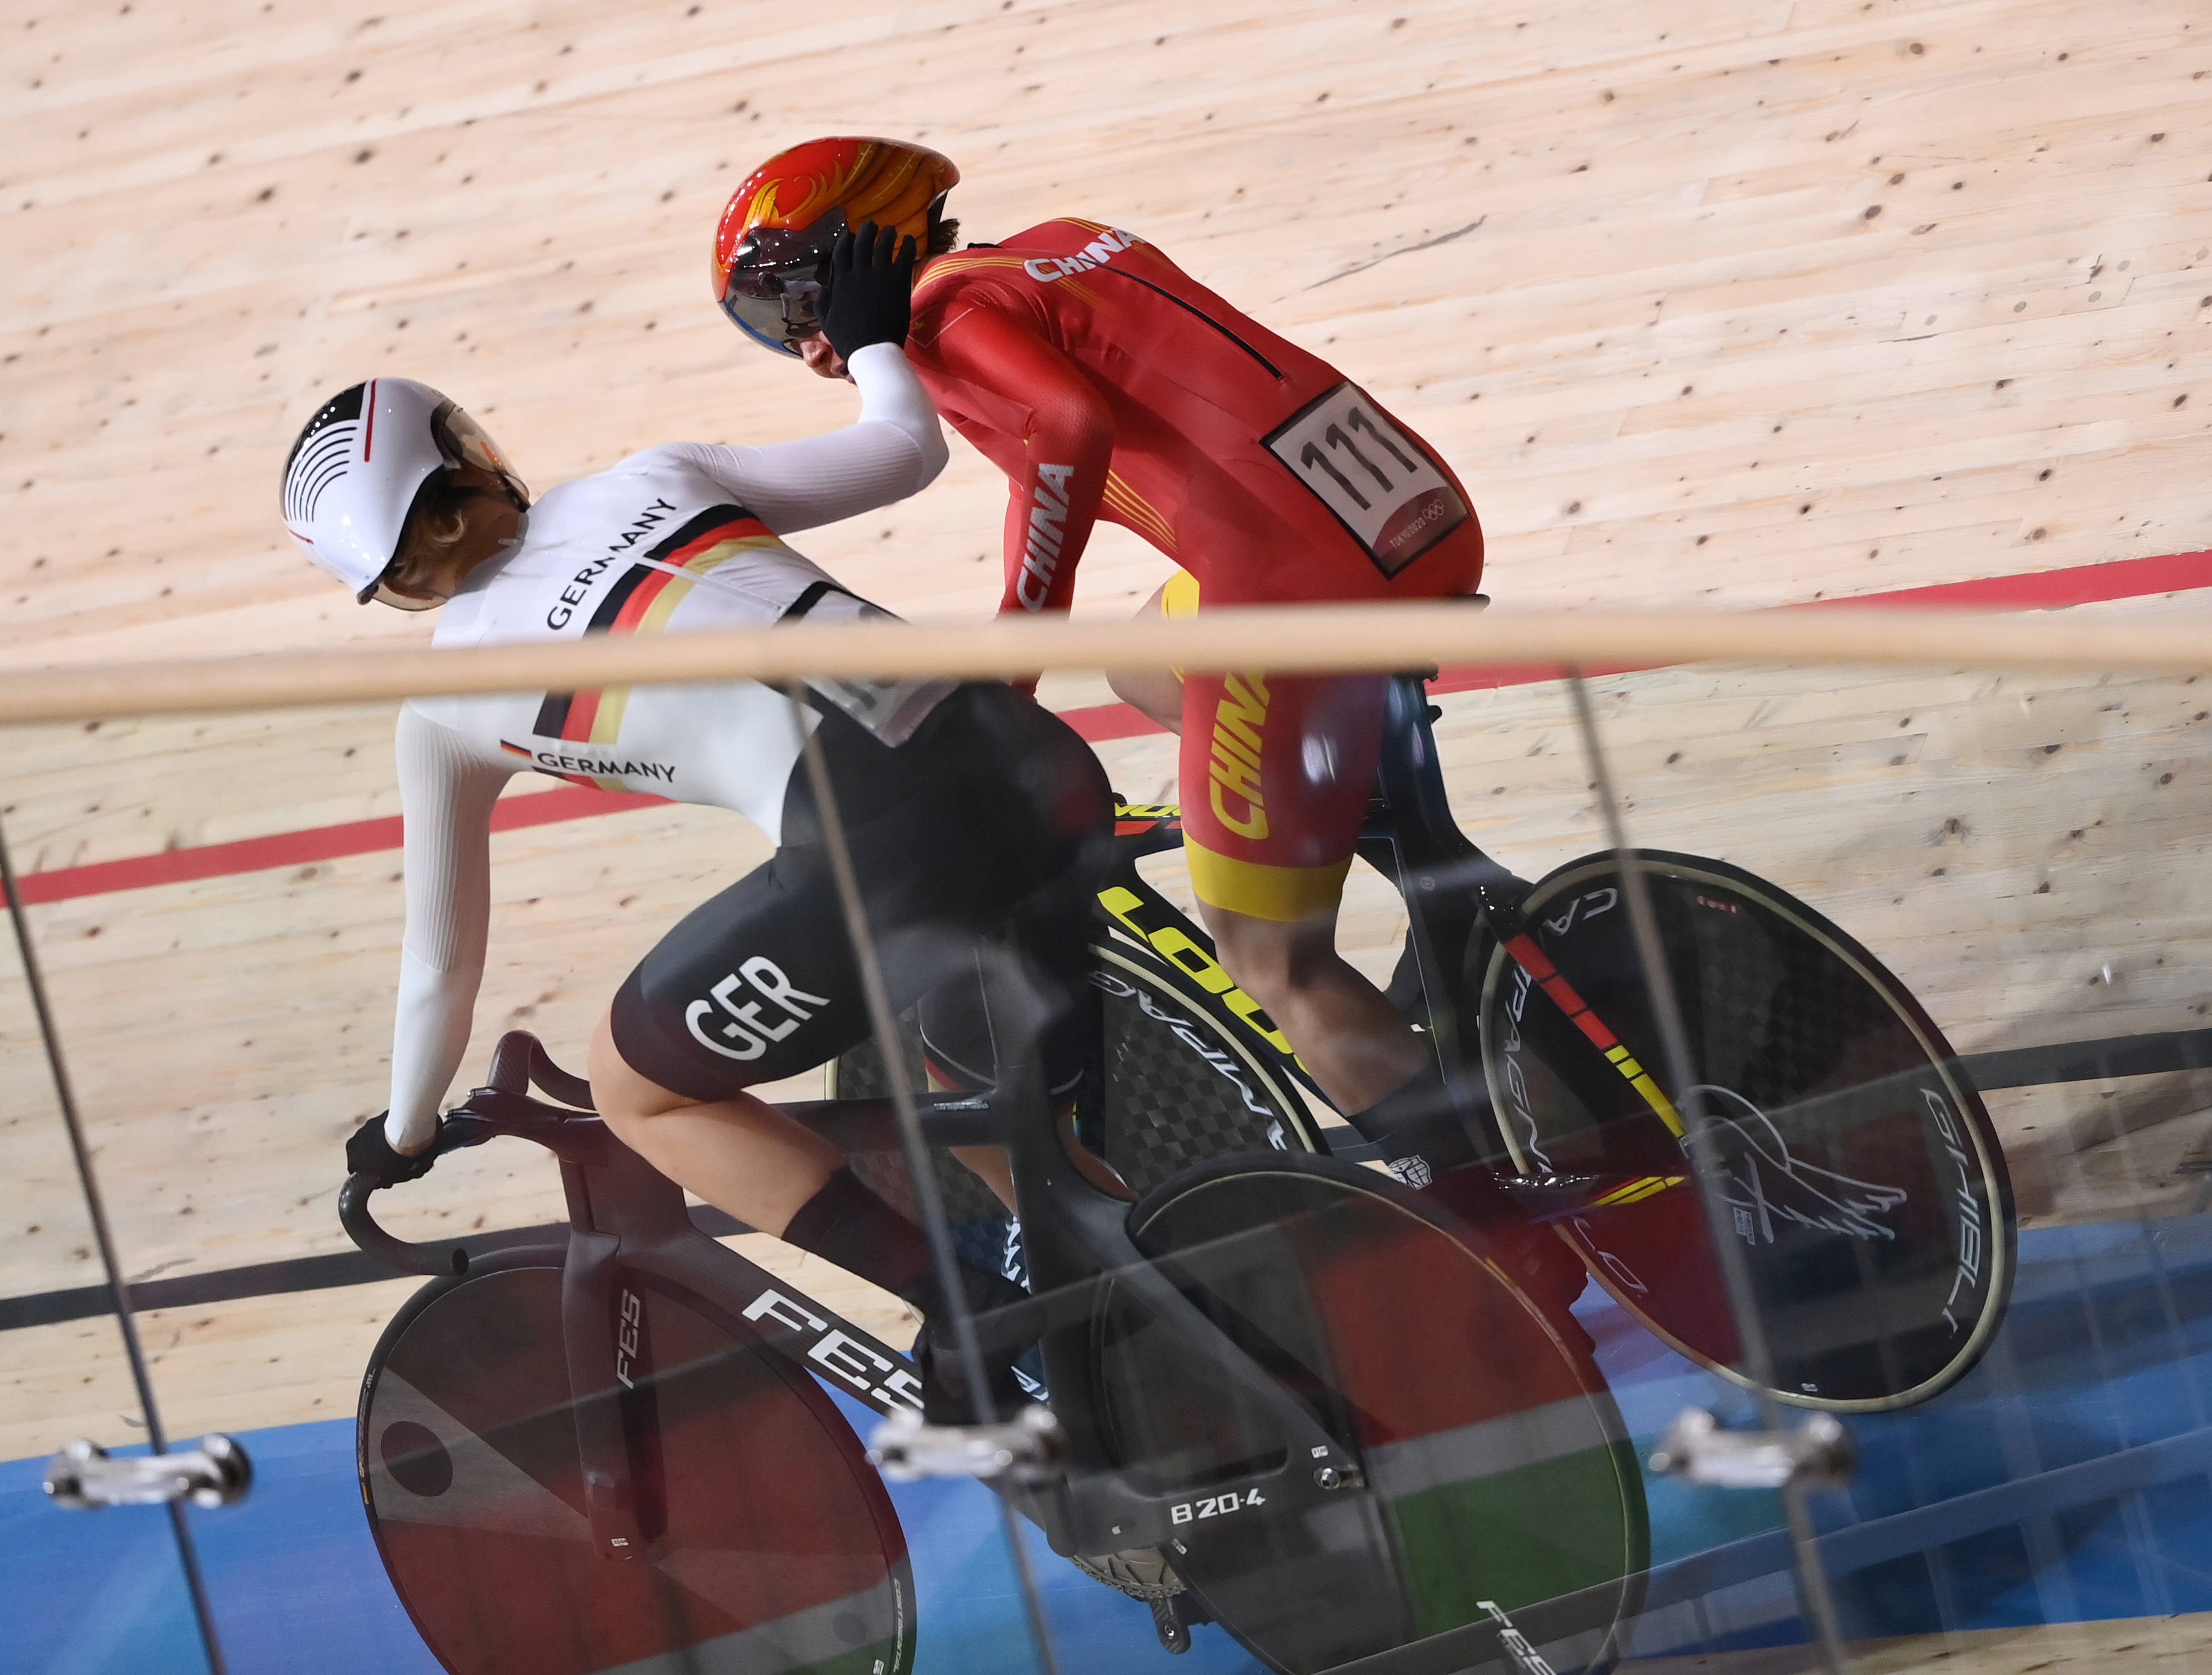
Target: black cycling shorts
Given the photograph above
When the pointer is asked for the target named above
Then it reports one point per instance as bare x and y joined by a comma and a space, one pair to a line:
982, 839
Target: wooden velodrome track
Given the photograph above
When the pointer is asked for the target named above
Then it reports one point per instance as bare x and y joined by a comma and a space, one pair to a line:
1721, 301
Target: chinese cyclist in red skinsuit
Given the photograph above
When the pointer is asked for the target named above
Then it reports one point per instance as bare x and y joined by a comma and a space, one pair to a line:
1108, 384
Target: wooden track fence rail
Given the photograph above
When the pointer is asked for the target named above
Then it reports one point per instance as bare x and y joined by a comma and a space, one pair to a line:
1284, 640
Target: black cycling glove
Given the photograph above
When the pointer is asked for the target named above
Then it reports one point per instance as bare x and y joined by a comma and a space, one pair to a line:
370, 1153
870, 298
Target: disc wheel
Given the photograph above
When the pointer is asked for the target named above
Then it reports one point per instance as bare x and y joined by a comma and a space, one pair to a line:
1860, 1182
772, 1545
1497, 1468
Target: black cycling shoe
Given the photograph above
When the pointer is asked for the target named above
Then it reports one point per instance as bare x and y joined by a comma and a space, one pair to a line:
946, 1398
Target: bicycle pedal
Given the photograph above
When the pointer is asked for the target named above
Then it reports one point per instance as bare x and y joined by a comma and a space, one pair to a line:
1030, 1448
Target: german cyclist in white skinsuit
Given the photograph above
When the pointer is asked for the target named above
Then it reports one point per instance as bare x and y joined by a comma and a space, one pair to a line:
973, 815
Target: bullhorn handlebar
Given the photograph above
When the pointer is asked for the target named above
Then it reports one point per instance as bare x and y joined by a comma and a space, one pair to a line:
504, 1107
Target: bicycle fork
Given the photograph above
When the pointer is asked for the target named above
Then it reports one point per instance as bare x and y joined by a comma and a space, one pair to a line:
610, 1388
1431, 859
594, 1320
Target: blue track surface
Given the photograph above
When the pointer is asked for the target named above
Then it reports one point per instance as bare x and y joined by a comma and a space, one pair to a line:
2069, 1476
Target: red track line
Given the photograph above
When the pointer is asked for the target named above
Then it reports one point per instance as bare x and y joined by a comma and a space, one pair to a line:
2044, 590
316, 843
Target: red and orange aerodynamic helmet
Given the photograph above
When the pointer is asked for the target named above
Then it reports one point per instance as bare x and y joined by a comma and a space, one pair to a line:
772, 249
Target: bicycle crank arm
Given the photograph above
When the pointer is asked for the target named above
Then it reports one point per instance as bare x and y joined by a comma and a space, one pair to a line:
1296, 1427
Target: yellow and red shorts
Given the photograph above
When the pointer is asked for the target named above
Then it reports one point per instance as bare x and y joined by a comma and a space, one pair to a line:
1276, 772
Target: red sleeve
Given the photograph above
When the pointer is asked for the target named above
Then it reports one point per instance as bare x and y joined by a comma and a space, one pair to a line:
1066, 431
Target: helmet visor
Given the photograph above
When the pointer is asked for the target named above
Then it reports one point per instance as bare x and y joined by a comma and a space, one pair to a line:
777, 307
776, 280
463, 441
383, 592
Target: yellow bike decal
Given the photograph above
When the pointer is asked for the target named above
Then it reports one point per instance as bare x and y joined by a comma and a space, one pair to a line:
1187, 957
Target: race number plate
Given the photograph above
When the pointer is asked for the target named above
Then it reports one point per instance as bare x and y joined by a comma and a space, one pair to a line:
1383, 485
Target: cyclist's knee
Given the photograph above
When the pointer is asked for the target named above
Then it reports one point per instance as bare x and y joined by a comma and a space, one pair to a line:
1271, 958
1155, 694
624, 1096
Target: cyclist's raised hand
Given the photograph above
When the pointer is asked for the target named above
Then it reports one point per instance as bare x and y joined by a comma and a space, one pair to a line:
871, 288
369, 1153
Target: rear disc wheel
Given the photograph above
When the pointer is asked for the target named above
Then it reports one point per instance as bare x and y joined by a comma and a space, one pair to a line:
1863, 1184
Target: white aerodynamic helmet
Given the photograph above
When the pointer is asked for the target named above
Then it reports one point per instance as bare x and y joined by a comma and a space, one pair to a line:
352, 477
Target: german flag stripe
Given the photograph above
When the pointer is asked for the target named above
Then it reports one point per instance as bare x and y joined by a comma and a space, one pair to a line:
553, 715
584, 717
716, 524
642, 600
611, 607
648, 610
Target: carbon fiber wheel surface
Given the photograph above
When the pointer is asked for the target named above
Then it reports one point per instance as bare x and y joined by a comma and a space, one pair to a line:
1179, 1089
1859, 1181
1496, 1470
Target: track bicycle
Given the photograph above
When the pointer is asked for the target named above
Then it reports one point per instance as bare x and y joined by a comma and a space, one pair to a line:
1814, 1058
1864, 1184
619, 1453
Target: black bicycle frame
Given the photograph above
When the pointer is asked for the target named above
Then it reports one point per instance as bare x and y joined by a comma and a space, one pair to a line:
628, 1221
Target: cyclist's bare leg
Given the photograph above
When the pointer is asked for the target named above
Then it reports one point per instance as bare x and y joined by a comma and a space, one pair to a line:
740, 1153
990, 1165
744, 1156
1349, 1036
1155, 694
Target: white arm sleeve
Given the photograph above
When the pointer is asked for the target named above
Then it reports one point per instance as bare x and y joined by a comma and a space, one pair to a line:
894, 450
446, 791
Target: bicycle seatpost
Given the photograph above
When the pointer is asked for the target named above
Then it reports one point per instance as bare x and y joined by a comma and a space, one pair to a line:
1410, 780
